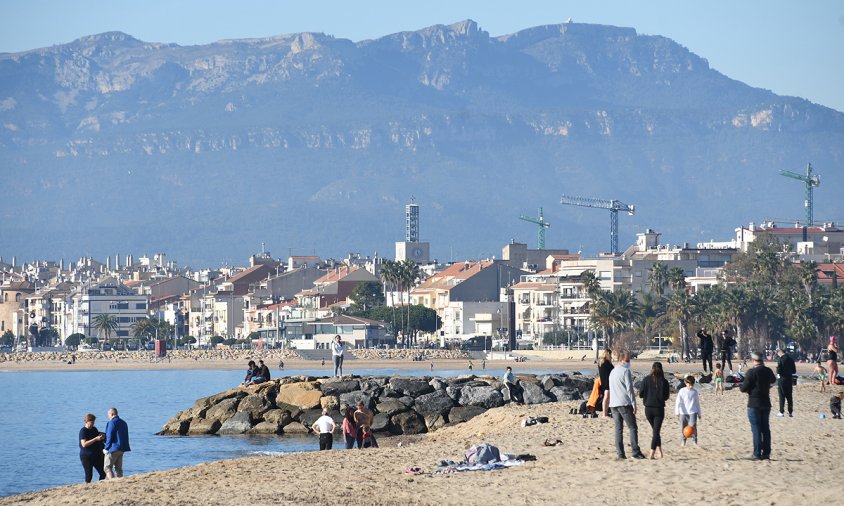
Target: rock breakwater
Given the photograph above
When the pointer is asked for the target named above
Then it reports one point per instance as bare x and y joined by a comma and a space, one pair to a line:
402, 405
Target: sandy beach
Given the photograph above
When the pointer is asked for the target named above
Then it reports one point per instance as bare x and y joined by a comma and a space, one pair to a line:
581, 470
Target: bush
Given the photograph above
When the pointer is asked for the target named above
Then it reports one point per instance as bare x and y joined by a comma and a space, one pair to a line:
215, 340
74, 340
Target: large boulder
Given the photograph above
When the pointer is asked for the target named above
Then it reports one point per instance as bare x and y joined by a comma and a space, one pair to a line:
411, 386
460, 414
533, 393
255, 404
176, 427
266, 428
228, 394
390, 407
408, 422
351, 399
223, 410
278, 416
435, 421
310, 416
201, 426
239, 423
581, 383
434, 403
338, 386
549, 381
485, 397
381, 422
329, 402
453, 392
305, 395
438, 384
562, 393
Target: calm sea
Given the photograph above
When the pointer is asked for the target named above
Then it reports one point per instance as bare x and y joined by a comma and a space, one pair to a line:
43, 413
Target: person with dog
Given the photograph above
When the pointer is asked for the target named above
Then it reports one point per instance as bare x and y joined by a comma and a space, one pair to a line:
706, 347
655, 391
757, 385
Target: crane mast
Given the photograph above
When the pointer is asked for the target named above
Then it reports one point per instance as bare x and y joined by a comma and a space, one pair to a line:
542, 226
811, 181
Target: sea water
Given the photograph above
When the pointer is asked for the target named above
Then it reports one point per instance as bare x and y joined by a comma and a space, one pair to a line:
43, 410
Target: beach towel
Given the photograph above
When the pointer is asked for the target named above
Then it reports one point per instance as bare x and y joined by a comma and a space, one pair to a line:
479, 467
595, 397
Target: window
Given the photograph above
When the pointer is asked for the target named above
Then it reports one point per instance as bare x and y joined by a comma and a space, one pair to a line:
140, 305
17, 297
122, 333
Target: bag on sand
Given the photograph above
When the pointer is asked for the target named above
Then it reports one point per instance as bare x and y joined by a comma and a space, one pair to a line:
482, 454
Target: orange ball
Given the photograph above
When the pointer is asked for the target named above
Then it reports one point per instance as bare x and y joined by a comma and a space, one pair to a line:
689, 431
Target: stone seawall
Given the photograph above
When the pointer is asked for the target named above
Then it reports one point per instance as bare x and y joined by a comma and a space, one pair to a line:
402, 405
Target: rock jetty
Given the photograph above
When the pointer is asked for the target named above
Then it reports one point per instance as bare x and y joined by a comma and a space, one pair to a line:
402, 405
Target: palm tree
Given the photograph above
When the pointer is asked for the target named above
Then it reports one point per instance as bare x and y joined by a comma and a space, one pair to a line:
809, 277
658, 278
105, 324
389, 271
611, 311
681, 306
591, 283
676, 278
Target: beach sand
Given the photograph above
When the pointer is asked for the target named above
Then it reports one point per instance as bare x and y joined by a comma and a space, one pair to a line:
581, 470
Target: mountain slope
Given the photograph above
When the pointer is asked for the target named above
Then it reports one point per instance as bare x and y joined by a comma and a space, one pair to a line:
312, 143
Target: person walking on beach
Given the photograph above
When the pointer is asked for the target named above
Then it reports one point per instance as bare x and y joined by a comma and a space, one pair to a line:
337, 349
832, 363
757, 385
654, 393
324, 426
706, 347
116, 444
785, 377
509, 380
623, 406
91, 448
687, 408
350, 428
605, 367
725, 346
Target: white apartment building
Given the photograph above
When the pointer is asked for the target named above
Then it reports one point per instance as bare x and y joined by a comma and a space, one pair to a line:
107, 297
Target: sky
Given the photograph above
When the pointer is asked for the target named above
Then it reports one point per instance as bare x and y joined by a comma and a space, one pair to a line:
793, 48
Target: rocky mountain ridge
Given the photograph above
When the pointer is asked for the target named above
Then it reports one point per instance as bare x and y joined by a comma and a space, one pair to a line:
112, 135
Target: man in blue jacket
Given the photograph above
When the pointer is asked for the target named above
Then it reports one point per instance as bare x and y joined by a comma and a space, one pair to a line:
116, 443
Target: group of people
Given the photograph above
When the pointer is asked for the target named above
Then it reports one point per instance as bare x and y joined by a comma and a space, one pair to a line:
356, 428
620, 398
724, 343
256, 373
103, 451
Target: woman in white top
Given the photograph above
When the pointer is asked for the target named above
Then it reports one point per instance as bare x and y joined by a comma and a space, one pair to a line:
337, 349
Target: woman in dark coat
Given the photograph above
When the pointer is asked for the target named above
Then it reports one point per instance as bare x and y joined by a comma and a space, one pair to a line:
604, 368
655, 391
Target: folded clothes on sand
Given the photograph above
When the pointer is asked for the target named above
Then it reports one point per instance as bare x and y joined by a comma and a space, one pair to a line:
479, 467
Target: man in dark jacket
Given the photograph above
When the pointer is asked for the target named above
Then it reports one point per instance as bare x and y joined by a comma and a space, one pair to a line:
785, 374
757, 385
706, 346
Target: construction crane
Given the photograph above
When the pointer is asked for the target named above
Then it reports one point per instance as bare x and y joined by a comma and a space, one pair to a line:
542, 226
811, 180
614, 207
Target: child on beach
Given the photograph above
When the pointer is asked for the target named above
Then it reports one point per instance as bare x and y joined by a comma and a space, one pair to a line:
821, 372
688, 408
719, 379
835, 405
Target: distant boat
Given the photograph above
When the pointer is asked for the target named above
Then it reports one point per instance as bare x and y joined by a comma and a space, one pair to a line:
86, 347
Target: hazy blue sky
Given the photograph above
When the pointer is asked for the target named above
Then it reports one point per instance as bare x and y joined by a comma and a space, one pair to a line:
790, 47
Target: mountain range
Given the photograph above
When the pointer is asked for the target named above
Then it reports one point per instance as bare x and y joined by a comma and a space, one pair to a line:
314, 144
